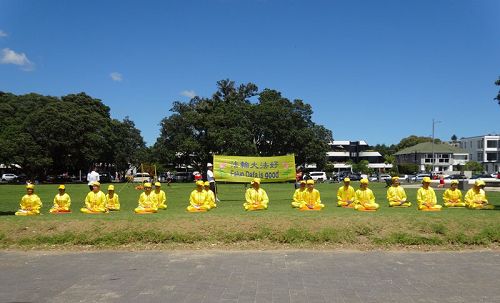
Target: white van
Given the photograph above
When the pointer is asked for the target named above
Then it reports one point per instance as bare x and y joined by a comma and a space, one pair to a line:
318, 175
141, 177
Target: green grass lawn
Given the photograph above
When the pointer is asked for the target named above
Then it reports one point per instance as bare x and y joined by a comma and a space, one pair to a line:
230, 225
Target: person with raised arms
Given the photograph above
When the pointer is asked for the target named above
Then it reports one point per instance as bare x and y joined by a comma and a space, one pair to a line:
396, 195
426, 197
297, 195
147, 201
256, 197
112, 199
452, 197
198, 201
311, 198
30, 203
365, 200
475, 198
346, 194
95, 201
62, 202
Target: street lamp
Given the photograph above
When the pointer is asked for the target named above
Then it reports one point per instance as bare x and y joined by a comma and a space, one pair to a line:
434, 122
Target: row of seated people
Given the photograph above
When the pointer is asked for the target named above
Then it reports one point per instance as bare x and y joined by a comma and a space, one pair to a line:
475, 198
306, 197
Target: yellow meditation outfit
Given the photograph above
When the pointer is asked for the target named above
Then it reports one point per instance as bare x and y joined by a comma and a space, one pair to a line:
476, 199
161, 199
255, 199
147, 204
61, 203
344, 195
211, 199
396, 195
426, 199
198, 201
311, 199
113, 203
30, 205
453, 198
297, 197
365, 200
95, 203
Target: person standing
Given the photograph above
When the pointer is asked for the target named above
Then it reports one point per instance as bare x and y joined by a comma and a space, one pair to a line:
92, 177
211, 180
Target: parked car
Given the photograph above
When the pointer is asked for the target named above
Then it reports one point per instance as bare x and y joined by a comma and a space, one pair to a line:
373, 178
354, 176
105, 177
318, 175
183, 177
481, 176
419, 177
141, 177
384, 177
9, 177
455, 177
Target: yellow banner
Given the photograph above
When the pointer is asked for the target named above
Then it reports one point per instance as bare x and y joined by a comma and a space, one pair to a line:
244, 169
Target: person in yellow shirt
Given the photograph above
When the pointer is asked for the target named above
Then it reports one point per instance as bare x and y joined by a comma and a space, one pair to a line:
210, 195
62, 202
346, 194
452, 197
426, 197
147, 201
256, 197
30, 203
161, 197
365, 200
311, 199
475, 198
95, 202
112, 199
198, 201
396, 194
297, 195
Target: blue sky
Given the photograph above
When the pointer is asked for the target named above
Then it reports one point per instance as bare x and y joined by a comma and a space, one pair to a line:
372, 70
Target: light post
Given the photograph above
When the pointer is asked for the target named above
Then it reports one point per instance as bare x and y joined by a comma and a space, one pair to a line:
434, 122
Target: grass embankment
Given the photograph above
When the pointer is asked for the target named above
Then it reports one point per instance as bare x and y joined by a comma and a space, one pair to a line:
230, 226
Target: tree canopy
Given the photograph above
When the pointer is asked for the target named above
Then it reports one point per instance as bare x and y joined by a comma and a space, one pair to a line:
230, 123
49, 135
498, 95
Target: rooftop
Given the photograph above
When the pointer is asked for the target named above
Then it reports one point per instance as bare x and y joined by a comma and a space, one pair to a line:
426, 147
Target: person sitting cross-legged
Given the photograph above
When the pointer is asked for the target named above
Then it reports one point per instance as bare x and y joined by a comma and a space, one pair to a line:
365, 199
297, 195
30, 203
210, 195
147, 201
396, 194
346, 194
452, 197
161, 197
62, 202
198, 199
112, 199
475, 198
311, 199
95, 202
426, 197
256, 197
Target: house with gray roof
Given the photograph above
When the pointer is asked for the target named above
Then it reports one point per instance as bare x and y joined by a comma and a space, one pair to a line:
447, 158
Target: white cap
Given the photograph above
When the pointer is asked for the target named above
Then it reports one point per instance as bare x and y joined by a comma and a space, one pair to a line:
209, 164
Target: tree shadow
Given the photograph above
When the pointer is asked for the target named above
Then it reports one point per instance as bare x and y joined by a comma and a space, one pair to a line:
7, 213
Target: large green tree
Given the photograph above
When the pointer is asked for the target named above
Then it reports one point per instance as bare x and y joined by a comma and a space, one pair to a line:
498, 95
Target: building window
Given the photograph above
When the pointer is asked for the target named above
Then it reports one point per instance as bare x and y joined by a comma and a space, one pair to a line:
491, 144
479, 156
491, 157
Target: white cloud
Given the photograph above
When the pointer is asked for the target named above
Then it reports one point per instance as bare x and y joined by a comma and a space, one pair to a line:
188, 93
3, 34
115, 76
11, 57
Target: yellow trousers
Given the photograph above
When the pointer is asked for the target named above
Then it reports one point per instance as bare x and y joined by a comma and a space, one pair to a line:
89, 211
251, 206
59, 211
481, 206
144, 210
202, 208
304, 207
23, 212
345, 204
398, 204
367, 207
452, 204
296, 204
162, 206
424, 207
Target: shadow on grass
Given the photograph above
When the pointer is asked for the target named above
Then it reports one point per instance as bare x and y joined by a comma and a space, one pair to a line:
7, 213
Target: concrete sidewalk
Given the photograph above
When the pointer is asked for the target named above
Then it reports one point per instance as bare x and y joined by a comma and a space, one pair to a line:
250, 276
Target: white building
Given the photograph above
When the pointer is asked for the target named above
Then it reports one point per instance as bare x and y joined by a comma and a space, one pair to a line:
485, 150
342, 152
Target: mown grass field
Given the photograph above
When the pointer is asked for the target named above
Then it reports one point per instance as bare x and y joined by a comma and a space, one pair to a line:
229, 226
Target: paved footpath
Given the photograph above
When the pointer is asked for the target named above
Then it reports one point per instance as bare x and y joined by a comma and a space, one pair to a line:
250, 276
